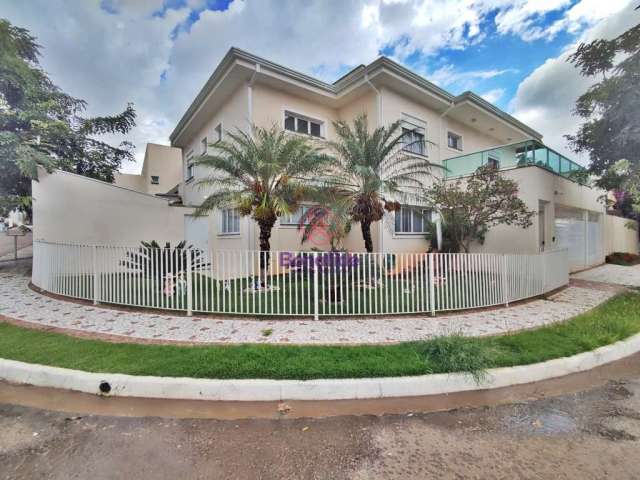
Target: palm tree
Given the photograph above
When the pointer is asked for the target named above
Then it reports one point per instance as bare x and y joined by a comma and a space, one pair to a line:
372, 171
330, 220
264, 174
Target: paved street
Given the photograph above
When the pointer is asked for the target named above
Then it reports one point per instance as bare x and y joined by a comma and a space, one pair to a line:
614, 274
591, 434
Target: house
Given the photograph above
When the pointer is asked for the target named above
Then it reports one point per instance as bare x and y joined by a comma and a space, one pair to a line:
459, 133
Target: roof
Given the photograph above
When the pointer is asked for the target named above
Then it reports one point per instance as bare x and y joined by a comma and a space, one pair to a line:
341, 85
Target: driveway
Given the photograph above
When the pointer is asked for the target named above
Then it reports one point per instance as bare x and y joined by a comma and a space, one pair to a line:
614, 274
591, 434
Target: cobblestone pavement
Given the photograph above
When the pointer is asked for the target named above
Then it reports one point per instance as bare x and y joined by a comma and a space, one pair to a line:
615, 274
19, 302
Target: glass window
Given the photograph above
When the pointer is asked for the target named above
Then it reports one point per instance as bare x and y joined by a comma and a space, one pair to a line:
290, 123
230, 221
296, 217
413, 140
218, 132
303, 126
411, 220
454, 141
190, 166
493, 163
155, 180
315, 129
203, 146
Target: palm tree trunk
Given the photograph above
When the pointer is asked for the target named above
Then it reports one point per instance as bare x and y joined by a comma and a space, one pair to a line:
265, 246
365, 226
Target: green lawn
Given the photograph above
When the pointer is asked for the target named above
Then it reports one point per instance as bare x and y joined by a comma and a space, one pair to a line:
615, 320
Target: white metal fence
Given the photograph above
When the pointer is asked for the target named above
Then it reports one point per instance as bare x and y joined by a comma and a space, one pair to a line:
294, 283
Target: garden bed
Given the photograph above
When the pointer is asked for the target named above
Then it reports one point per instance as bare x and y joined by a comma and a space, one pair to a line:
615, 320
624, 259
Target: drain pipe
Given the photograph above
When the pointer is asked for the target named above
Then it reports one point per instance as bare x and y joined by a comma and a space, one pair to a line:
436, 216
251, 225
379, 124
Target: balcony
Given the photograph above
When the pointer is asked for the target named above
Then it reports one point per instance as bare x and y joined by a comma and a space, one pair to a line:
514, 155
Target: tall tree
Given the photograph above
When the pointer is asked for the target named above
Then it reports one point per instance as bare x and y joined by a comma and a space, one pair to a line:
264, 174
42, 125
470, 207
373, 171
610, 133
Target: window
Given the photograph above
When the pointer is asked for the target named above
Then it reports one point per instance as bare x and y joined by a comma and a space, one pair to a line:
413, 131
190, 166
155, 180
454, 141
300, 124
217, 132
412, 220
230, 221
493, 163
203, 146
296, 217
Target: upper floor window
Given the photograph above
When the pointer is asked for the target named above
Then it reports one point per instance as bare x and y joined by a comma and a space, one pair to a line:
203, 146
190, 166
155, 180
296, 217
230, 221
414, 134
217, 133
411, 219
454, 141
301, 124
493, 163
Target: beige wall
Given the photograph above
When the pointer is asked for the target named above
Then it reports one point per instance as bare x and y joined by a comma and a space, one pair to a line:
620, 238
75, 209
159, 160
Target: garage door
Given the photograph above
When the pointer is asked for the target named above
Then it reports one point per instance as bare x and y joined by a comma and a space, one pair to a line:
196, 231
570, 234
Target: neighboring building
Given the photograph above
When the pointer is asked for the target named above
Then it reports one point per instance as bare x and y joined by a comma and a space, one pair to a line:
459, 132
161, 171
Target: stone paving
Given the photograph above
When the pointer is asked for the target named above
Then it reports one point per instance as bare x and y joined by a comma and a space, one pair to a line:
19, 302
614, 274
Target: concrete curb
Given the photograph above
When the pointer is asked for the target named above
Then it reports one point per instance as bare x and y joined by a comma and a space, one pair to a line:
340, 389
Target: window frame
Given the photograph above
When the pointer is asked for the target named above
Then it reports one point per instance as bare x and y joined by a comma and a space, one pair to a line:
203, 146
427, 215
285, 221
190, 167
226, 218
156, 181
287, 112
461, 141
415, 126
218, 132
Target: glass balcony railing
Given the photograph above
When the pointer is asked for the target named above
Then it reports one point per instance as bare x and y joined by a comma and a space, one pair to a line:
514, 155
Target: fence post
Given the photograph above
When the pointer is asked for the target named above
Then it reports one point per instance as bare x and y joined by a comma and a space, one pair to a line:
505, 293
432, 296
96, 276
189, 285
316, 301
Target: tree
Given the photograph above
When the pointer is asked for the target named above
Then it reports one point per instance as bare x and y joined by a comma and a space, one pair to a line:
329, 221
373, 172
42, 126
610, 133
264, 174
470, 208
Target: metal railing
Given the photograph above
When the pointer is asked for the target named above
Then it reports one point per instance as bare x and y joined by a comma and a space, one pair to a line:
294, 283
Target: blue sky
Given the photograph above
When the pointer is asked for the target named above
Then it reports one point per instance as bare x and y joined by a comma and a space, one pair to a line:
159, 53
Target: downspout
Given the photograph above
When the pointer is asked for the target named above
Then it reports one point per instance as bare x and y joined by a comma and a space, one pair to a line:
436, 216
379, 124
251, 228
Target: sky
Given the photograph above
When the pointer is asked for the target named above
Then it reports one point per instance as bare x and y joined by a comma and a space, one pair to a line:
159, 53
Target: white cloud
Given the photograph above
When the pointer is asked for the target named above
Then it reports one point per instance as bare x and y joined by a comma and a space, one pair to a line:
545, 99
130, 54
449, 76
492, 96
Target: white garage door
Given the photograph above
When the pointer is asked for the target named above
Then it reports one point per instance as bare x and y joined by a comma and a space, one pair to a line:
583, 242
569, 225
196, 231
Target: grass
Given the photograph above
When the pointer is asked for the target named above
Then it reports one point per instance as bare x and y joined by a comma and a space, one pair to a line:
615, 320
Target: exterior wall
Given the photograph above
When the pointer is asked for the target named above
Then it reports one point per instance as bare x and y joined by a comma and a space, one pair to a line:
538, 184
618, 237
75, 209
159, 160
